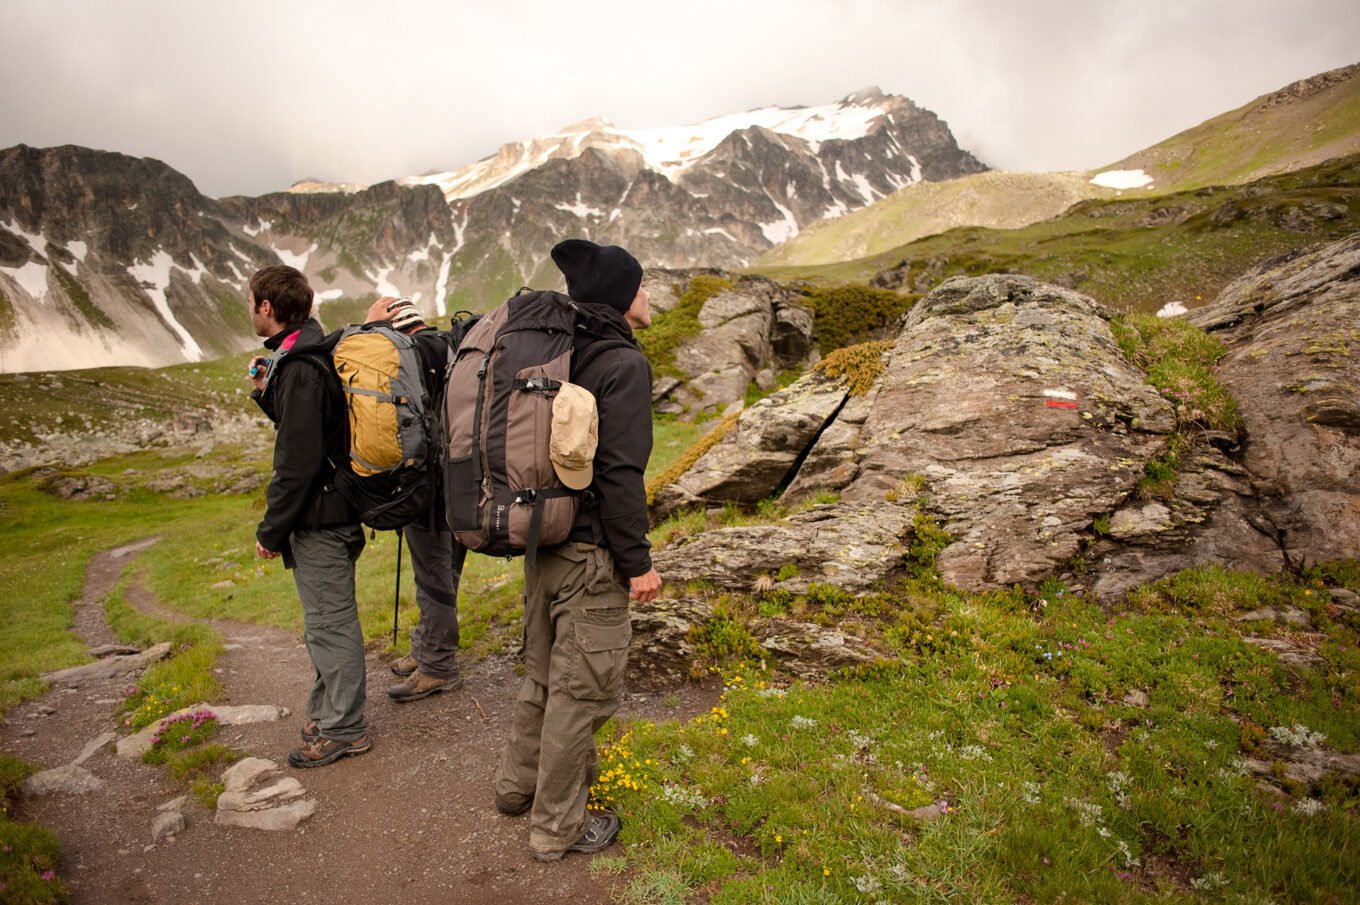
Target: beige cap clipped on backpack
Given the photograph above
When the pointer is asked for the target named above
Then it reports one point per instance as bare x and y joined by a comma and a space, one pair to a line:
575, 433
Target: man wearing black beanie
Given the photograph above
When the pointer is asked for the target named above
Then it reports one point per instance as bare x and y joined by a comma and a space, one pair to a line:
576, 624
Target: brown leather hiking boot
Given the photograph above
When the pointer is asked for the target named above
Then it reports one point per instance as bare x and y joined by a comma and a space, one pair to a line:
422, 686
323, 751
405, 666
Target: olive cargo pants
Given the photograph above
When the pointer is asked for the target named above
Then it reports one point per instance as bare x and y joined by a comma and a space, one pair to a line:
576, 634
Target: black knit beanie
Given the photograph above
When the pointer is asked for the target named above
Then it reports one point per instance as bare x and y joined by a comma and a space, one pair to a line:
605, 274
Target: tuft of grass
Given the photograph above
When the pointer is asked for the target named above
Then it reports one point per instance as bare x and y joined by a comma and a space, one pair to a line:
28, 853
686, 460
1180, 361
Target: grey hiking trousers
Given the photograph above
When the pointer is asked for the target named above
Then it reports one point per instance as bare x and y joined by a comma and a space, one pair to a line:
437, 560
576, 634
323, 571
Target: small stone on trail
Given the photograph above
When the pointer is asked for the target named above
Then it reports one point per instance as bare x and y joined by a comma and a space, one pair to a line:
174, 804
167, 824
91, 747
27, 733
46, 709
107, 650
70, 779
226, 585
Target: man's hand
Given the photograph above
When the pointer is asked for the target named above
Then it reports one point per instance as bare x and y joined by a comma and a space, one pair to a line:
378, 310
645, 587
262, 553
256, 371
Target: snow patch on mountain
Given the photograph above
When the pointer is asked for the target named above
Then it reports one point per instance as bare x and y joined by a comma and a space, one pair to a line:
579, 209
1122, 179
155, 277
294, 259
78, 249
780, 230
31, 277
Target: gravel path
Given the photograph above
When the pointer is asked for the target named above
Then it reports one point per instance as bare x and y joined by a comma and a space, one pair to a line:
411, 821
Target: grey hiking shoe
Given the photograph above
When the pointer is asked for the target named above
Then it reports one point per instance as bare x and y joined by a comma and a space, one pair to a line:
404, 666
602, 829
420, 686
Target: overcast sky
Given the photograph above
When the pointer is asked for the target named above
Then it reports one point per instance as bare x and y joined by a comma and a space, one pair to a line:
248, 96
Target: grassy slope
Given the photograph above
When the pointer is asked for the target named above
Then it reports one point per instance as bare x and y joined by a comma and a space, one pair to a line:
1135, 254
996, 199
1287, 130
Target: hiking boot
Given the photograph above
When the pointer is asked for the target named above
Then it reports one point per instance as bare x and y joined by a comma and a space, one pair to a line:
514, 804
327, 750
405, 666
422, 686
602, 829
310, 732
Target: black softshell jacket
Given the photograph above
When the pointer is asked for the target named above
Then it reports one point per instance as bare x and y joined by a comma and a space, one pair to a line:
310, 441
621, 381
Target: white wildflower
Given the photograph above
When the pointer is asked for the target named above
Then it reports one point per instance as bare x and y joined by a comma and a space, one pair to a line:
684, 754
974, 752
868, 885
771, 692
1031, 792
1211, 745
1309, 806
859, 741
1128, 857
750, 740
1298, 735
1087, 812
802, 722
683, 797
1215, 880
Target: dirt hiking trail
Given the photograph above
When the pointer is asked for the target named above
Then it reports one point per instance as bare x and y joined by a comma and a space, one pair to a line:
412, 821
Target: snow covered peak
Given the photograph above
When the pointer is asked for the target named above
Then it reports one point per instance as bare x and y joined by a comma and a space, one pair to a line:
669, 150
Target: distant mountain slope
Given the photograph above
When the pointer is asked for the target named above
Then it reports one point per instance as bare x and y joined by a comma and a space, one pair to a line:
998, 199
1135, 253
1305, 123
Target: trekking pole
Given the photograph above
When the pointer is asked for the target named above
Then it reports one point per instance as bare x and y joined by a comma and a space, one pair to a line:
396, 591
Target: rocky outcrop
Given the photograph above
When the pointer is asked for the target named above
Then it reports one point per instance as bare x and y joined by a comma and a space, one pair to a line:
749, 332
1007, 413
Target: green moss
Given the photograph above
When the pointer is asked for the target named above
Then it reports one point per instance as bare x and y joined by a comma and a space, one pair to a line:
854, 313
687, 460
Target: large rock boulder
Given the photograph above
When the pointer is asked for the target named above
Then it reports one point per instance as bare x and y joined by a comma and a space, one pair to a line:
1005, 400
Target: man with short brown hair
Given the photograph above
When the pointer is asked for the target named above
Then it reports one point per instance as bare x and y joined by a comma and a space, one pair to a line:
306, 520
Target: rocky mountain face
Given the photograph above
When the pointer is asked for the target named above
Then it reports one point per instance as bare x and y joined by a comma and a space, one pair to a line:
111, 260
715, 194
1007, 413
107, 259
386, 239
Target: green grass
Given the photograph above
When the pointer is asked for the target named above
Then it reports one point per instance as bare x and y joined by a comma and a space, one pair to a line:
28, 853
1010, 721
1133, 254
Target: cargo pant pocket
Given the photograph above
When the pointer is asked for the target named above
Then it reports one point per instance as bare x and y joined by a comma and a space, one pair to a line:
602, 635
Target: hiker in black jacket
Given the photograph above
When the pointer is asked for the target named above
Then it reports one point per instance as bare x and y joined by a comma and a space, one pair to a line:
576, 624
306, 520
436, 557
